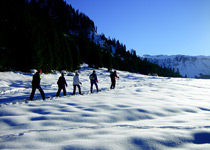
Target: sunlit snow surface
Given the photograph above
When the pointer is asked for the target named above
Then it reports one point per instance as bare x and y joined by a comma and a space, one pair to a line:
143, 112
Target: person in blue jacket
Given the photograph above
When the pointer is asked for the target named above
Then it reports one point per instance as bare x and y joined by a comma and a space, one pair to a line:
93, 80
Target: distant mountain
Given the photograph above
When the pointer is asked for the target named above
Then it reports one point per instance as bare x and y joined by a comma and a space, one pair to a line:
188, 66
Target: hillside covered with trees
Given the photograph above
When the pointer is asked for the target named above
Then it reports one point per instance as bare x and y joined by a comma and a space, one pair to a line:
51, 35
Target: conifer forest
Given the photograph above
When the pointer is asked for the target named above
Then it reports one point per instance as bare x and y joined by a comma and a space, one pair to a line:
52, 35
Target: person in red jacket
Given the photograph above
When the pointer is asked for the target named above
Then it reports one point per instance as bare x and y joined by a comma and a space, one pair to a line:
113, 77
36, 85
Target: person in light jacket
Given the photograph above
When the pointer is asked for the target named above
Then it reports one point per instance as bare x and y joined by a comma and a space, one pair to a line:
76, 83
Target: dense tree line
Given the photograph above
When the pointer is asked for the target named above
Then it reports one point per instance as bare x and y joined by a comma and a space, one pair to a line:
51, 35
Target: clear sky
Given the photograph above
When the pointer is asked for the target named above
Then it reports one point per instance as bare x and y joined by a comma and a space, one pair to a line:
153, 27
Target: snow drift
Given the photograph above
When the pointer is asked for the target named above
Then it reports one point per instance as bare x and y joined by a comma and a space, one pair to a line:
141, 113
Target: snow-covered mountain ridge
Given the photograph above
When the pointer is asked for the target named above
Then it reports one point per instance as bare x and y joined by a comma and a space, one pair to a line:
190, 66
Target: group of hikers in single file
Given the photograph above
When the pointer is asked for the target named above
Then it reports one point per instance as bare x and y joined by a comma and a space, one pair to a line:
62, 84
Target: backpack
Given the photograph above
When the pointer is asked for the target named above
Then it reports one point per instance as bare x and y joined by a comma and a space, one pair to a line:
61, 81
112, 75
92, 77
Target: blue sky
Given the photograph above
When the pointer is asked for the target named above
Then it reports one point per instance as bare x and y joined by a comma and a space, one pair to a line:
153, 27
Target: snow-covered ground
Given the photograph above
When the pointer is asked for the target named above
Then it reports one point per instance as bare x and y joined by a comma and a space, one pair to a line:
143, 112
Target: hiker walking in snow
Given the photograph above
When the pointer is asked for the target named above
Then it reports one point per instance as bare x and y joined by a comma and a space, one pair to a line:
76, 83
36, 85
93, 80
62, 84
113, 76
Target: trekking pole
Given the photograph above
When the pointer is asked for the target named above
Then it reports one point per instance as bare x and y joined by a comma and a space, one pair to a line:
117, 81
81, 88
35, 95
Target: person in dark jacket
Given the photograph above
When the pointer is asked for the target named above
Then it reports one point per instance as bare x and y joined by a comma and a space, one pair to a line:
113, 77
62, 84
36, 85
93, 80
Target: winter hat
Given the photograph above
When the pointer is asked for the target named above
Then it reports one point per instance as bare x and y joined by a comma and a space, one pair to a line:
63, 72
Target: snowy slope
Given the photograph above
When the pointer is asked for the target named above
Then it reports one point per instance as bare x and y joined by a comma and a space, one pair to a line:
192, 66
141, 113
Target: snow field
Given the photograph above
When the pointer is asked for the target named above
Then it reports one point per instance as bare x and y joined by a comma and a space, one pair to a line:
141, 113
